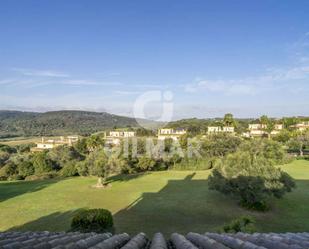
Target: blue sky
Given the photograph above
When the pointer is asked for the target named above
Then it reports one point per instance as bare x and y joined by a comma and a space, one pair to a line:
244, 57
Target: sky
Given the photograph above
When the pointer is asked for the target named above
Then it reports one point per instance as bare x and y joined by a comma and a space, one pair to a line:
210, 57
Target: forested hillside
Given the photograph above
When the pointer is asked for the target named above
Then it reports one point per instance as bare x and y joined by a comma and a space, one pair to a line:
16, 123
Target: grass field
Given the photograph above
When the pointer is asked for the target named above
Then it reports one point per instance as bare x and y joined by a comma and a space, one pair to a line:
160, 201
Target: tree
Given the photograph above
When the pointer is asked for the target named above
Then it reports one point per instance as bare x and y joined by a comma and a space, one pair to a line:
8, 170
264, 120
4, 156
268, 125
42, 163
61, 155
145, 163
219, 145
25, 169
183, 141
300, 142
97, 164
269, 149
81, 146
228, 119
8, 149
288, 122
94, 142
283, 136
251, 179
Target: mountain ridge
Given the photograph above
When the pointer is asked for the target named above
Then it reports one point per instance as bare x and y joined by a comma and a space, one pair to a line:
23, 123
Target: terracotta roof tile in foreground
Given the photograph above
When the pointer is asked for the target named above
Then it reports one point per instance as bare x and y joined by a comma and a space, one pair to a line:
75, 240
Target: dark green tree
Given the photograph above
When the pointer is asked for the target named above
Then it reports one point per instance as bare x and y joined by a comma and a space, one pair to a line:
42, 164
228, 119
250, 178
25, 169
300, 142
8, 170
145, 163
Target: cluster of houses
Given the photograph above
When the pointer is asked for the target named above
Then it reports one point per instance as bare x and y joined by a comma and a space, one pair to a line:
259, 130
115, 137
53, 143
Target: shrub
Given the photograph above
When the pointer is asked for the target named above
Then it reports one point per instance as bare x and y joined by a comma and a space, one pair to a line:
15, 178
69, 169
44, 176
42, 163
145, 163
82, 168
243, 224
4, 156
252, 179
22, 148
25, 169
93, 220
7, 148
8, 170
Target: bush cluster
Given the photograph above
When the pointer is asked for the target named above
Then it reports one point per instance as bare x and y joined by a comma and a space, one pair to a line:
93, 220
244, 224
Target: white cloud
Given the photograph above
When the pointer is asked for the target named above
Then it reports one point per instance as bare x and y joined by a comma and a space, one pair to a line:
41, 73
274, 79
6, 81
126, 92
30, 81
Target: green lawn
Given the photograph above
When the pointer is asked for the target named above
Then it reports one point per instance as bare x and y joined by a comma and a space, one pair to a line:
161, 201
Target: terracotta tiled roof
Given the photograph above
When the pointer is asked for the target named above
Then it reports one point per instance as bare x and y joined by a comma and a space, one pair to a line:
75, 240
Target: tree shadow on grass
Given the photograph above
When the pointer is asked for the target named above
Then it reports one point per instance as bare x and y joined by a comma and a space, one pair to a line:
126, 177
181, 206
12, 189
55, 222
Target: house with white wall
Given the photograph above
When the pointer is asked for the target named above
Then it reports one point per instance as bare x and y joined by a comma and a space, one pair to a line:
46, 144
219, 129
170, 133
259, 130
114, 137
302, 126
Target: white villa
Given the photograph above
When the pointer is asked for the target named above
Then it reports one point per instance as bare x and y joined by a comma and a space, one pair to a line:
115, 136
122, 134
170, 133
53, 143
258, 130
219, 129
301, 126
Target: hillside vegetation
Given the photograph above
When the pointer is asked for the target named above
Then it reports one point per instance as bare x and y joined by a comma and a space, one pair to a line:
15, 123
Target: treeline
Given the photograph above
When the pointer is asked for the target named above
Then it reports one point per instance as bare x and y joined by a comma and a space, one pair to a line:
14, 123
90, 156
